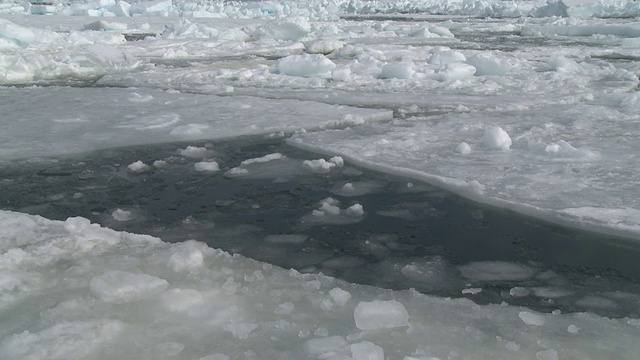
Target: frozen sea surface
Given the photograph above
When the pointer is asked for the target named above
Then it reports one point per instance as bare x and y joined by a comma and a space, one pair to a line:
525, 106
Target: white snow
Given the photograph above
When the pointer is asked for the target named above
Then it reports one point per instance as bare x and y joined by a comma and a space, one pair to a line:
553, 82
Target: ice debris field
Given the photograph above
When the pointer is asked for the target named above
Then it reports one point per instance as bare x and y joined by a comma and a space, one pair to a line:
531, 106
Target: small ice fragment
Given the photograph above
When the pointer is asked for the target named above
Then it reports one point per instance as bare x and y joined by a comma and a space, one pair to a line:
240, 330
512, 346
138, 167
472, 291
402, 70
341, 297
328, 206
210, 166
341, 74
366, 350
324, 344
285, 308
489, 64
380, 314
137, 98
355, 210
306, 65
264, 159
463, 148
236, 172
442, 31
320, 166
446, 57
573, 329
160, 164
519, 292
455, 71
530, 318
337, 160
496, 138
123, 215
121, 287
547, 355
324, 47
193, 151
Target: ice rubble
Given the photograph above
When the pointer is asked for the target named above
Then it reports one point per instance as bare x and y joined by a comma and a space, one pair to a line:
235, 307
322, 9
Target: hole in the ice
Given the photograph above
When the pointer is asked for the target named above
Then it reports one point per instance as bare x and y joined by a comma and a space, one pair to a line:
327, 216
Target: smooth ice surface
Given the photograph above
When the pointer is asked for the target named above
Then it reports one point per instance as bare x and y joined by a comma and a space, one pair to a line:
73, 120
126, 296
380, 315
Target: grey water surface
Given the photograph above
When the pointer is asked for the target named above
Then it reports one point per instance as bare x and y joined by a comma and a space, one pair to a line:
412, 235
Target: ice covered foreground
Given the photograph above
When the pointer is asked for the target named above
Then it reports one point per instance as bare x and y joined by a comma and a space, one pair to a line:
63, 299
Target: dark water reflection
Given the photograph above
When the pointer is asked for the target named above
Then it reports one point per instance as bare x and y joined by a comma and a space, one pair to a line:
411, 234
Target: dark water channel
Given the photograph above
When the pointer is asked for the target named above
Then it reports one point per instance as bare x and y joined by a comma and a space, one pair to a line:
411, 235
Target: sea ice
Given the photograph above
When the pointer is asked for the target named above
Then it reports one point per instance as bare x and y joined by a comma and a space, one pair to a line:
495, 138
366, 350
378, 314
530, 318
208, 166
307, 65
75, 290
320, 166
110, 290
138, 167
495, 271
403, 70
120, 287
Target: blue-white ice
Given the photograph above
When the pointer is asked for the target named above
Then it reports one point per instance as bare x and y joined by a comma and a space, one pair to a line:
534, 109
